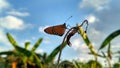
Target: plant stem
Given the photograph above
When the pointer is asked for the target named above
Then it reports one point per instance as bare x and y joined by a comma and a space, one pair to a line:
108, 60
59, 56
62, 47
87, 41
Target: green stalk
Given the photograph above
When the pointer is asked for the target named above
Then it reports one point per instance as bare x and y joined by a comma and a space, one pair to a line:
87, 41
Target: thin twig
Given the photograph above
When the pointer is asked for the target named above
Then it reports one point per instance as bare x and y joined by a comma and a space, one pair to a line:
108, 60
62, 47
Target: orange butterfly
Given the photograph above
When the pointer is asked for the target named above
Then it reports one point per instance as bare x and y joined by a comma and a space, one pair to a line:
56, 30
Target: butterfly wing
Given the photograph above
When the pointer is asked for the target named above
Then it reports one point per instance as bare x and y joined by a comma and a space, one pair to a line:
56, 30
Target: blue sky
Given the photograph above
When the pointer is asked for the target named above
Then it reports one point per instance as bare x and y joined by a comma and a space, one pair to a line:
26, 20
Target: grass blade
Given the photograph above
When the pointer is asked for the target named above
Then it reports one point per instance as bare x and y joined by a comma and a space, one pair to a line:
11, 40
27, 44
7, 53
37, 44
109, 38
54, 53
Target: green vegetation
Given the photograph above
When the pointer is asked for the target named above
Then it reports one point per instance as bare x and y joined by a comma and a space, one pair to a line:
23, 58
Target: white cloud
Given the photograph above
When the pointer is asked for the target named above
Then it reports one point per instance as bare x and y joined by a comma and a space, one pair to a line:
82, 49
92, 19
41, 28
115, 44
79, 46
39, 50
46, 40
3, 38
76, 44
33, 38
4, 43
12, 22
95, 32
4, 4
17, 13
96, 37
97, 4
84, 57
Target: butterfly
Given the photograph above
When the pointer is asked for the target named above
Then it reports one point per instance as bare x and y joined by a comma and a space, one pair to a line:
56, 30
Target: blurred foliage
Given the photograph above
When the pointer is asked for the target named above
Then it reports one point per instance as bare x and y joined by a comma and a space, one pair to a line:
116, 65
93, 64
66, 64
24, 57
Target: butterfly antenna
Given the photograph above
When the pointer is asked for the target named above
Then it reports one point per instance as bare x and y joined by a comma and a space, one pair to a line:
68, 26
68, 19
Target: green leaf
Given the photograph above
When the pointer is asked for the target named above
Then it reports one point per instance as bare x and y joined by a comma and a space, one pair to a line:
77, 64
37, 44
109, 38
7, 53
54, 53
11, 40
23, 51
19, 50
27, 44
